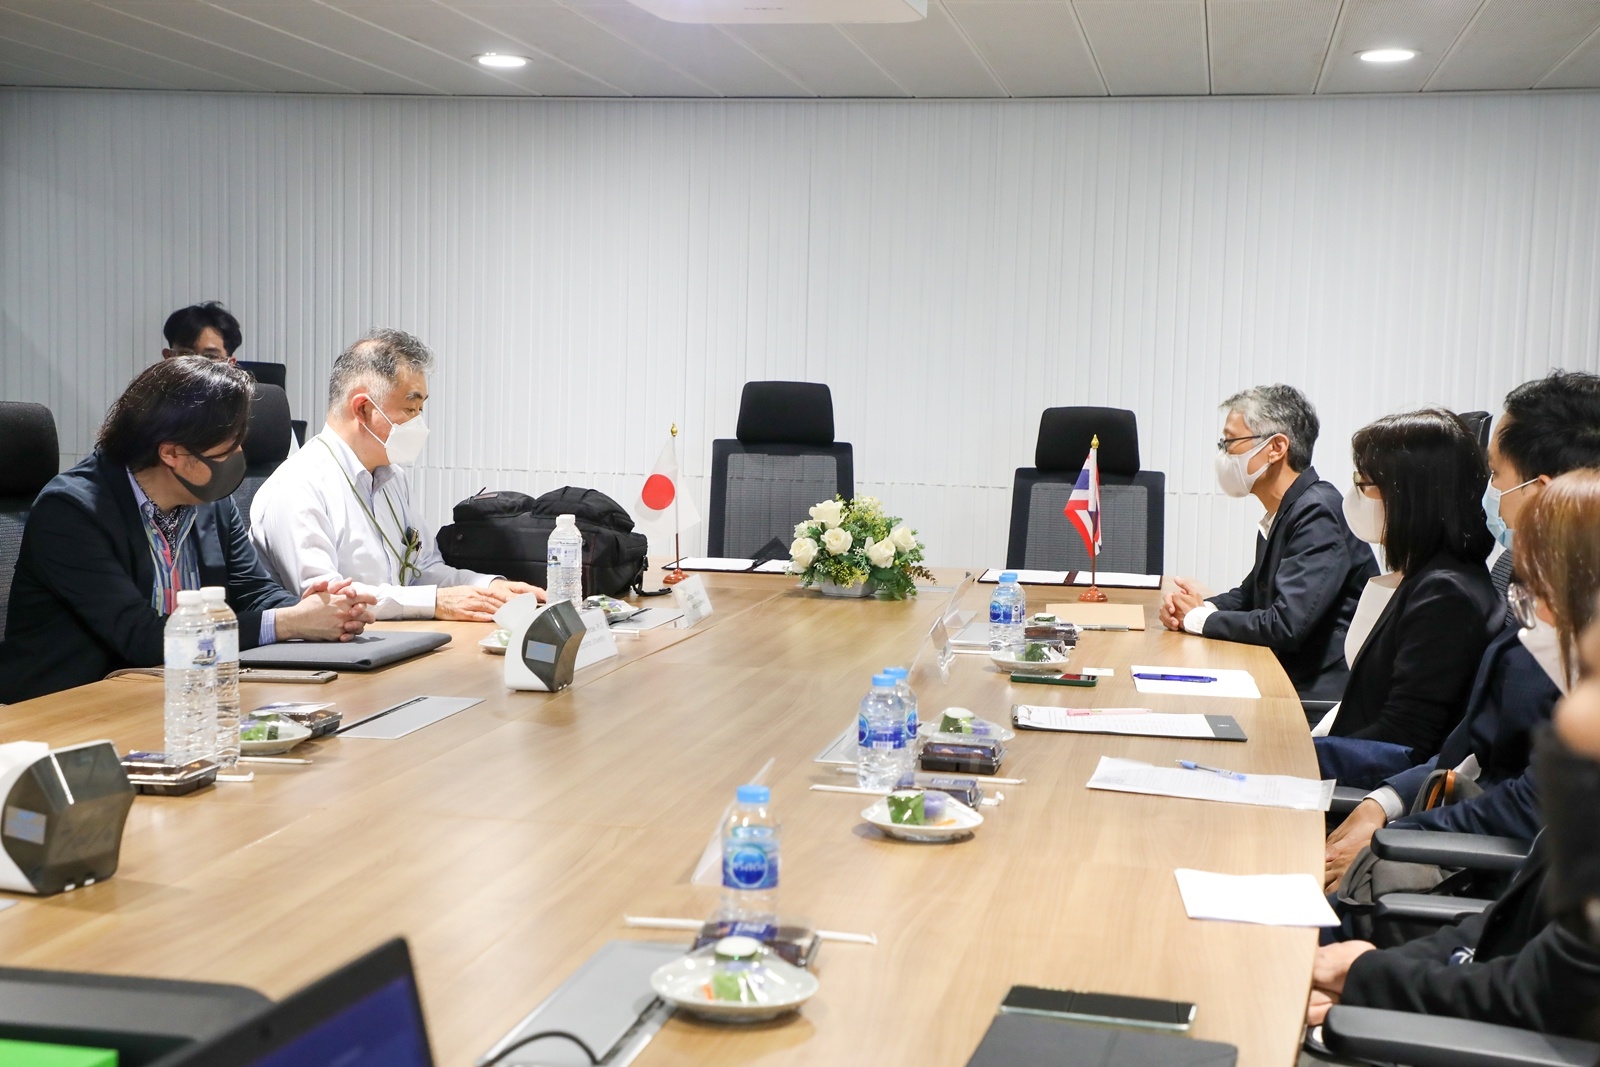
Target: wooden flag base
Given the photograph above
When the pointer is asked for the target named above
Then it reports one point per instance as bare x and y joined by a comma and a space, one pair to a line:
674, 576
1092, 595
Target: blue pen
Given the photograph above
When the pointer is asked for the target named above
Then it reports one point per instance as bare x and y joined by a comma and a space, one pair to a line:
1190, 765
1176, 677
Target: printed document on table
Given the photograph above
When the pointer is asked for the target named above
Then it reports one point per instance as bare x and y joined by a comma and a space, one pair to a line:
773, 566
1262, 790
1111, 721
715, 563
1026, 577
1227, 684
1264, 899
1117, 579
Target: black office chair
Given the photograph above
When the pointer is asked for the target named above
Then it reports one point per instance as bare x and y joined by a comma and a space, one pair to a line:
783, 461
1479, 423
266, 444
275, 374
1132, 501
1375, 1035
30, 455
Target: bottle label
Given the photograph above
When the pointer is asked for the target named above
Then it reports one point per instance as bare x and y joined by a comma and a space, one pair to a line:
861, 730
227, 646
559, 555
1008, 614
749, 864
889, 736
188, 652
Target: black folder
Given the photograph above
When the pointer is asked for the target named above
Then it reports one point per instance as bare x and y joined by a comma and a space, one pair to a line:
373, 649
1033, 1041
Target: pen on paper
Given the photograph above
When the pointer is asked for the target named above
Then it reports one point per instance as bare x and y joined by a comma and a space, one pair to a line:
1175, 677
1190, 765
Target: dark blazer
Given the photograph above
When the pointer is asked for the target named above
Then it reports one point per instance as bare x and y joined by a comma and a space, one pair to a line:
1526, 970
1408, 684
80, 601
1511, 697
1299, 597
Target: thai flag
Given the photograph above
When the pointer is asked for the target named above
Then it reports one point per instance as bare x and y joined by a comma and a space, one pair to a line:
1083, 506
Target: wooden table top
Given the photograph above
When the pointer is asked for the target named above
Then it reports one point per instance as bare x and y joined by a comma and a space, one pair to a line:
508, 841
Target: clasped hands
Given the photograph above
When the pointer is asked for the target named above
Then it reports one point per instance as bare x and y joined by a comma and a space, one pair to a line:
1177, 604
330, 609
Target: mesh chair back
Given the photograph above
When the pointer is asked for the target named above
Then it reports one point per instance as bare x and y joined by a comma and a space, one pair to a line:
784, 460
30, 455
266, 443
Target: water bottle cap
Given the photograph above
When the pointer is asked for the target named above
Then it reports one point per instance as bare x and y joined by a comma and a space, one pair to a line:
897, 672
213, 594
754, 794
566, 520
1009, 576
883, 681
188, 598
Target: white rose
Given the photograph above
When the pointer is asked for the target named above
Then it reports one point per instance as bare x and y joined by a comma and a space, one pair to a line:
879, 553
803, 552
830, 513
837, 541
903, 538
802, 529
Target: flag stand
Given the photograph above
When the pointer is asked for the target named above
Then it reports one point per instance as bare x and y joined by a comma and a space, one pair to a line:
1093, 595
676, 574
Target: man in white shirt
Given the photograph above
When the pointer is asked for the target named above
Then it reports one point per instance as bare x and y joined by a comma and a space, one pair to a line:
341, 506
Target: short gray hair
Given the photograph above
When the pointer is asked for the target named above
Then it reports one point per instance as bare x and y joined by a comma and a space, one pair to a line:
1275, 409
375, 362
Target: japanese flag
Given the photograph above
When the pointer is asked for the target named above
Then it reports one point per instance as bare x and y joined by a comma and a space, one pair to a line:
663, 508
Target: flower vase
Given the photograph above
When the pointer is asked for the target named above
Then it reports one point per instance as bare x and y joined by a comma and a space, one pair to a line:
858, 591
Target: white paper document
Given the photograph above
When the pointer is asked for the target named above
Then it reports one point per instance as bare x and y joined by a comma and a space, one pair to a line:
715, 563
1026, 577
1262, 790
773, 566
1264, 899
1140, 721
1118, 580
1222, 684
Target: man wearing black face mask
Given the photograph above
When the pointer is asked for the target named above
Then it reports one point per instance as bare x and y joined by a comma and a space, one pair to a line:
111, 542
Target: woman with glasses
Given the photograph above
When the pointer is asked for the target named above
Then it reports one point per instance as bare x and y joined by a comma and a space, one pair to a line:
1523, 674
1421, 628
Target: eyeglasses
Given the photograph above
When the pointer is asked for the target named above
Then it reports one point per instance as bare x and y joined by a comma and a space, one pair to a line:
1355, 476
1522, 602
1224, 442
215, 357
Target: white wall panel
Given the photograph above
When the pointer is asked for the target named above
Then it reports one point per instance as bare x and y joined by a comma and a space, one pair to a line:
591, 271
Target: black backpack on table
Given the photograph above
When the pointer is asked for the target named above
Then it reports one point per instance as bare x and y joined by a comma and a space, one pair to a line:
508, 533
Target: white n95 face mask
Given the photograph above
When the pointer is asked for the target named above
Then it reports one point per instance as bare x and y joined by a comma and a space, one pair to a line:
1365, 516
1233, 472
405, 438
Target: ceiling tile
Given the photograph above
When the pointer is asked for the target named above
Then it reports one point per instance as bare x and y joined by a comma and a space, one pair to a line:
1428, 26
1269, 46
567, 35
929, 58
1035, 47
1513, 44
26, 64
705, 53
1581, 70
821, 58
1148, 47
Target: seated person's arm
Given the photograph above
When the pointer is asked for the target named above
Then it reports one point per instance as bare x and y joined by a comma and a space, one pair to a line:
1508, 808
1307, 585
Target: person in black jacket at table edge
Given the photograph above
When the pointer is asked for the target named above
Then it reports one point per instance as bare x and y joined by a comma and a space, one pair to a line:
109, 543
1419, 481
1309, 570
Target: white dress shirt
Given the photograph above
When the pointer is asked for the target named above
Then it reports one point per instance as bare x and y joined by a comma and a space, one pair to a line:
322, 515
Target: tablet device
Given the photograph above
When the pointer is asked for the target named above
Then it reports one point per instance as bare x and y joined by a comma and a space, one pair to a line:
365, 652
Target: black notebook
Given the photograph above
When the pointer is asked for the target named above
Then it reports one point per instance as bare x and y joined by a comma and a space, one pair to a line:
373, 649
1032, 1041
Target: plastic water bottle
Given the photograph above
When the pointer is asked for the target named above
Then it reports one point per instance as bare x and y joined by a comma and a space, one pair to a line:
883, 756
191, 680
564, 556
1008, 614
908, 697
226, 625
750, 865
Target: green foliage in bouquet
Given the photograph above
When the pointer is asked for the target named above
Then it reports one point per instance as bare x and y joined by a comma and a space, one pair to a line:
849, 542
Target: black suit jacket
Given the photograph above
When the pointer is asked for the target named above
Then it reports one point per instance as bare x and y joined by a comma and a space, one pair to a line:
1299, 597
80, 601
1410, 681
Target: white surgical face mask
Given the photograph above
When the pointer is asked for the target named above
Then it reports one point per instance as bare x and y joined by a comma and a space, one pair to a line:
1365, 515
1544, 642
1233, 472
405, 438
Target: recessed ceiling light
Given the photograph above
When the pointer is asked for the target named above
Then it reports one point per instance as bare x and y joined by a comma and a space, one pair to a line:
1387, 55
500, 62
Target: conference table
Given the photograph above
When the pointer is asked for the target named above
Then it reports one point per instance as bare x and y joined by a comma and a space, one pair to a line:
507, 842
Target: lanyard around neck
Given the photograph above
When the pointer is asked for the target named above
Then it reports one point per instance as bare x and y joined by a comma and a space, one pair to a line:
404, 560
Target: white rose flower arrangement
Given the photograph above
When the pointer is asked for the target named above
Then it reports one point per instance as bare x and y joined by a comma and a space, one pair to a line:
853, 542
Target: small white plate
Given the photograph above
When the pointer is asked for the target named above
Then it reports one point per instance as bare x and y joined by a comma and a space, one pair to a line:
682, 983
1008, 661
290, 734
959, 821
495, 644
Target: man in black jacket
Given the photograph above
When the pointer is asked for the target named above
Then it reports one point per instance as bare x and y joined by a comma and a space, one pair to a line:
109, 543
1309, 572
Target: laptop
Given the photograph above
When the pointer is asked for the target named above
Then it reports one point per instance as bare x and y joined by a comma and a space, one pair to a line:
365, 652
365, 1014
